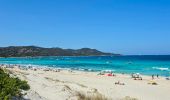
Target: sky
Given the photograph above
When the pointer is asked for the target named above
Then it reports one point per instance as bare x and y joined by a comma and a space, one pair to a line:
130, 27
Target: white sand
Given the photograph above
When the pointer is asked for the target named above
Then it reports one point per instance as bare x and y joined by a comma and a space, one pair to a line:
64, 85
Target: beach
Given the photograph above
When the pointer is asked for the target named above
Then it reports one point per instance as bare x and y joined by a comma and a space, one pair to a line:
69, 84
85, 50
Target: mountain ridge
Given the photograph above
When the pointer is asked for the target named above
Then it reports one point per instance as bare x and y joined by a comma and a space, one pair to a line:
33, 51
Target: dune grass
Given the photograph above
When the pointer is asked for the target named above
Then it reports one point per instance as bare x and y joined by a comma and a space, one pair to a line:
129, 98
93, 96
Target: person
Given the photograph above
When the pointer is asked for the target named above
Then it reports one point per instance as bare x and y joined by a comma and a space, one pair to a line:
152, 77
140, 78
117, 82
157, 76
132, 75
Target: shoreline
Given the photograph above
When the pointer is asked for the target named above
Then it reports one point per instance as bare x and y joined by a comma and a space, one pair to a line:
78, 69
65, 84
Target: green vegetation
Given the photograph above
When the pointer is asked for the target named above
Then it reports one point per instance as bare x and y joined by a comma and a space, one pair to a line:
11, 87
33, 51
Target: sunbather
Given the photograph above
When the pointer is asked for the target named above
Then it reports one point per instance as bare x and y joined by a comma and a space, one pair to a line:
118, 83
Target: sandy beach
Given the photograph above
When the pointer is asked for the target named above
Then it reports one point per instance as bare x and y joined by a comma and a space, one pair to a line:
68, 85
84, 49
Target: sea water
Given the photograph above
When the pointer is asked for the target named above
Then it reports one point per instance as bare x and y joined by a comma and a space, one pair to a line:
146, 65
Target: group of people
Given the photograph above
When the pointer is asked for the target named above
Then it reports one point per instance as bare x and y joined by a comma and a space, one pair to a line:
153, 76
136, 76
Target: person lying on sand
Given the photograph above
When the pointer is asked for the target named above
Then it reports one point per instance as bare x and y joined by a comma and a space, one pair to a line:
139, 78
118, 83
152, 82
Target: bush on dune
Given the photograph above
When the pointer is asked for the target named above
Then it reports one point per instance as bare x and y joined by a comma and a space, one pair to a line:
11, 87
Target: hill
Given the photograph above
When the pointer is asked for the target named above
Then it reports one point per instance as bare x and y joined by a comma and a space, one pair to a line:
33, 51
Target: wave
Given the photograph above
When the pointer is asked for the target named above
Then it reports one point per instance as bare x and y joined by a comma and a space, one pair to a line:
161, 68
107, 71
86, 69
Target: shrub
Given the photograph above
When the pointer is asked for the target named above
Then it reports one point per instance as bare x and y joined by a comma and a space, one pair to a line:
11, 87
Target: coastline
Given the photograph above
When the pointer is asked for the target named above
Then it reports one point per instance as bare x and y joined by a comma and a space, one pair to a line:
145, 65
76, 69
64, 84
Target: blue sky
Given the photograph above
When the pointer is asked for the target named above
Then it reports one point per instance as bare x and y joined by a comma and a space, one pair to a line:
120, 26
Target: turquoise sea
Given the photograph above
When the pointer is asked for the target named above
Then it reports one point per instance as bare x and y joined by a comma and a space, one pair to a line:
147, 65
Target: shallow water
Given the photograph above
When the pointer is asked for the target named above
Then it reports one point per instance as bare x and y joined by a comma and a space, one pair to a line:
147, 65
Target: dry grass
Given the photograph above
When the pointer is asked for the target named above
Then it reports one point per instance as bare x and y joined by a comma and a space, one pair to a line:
129, 98
67, 87
8, 71
51, 79
81, 85
94, 96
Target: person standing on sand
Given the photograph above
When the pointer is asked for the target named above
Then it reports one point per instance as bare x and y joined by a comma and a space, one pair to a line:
152, 77
157, 76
